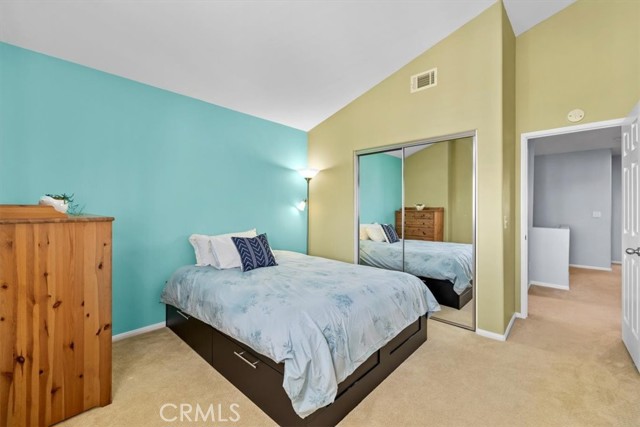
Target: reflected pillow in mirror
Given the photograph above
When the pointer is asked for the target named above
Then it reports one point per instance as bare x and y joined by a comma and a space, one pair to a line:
375, 233
390, 233
363, 231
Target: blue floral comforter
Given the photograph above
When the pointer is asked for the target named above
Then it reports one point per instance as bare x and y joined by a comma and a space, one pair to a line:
436, 260
322, 318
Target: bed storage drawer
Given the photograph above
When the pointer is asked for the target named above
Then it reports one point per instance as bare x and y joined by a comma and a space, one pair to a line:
403, 336
260, 378
192, 331
443, 291
257, 379
360, 372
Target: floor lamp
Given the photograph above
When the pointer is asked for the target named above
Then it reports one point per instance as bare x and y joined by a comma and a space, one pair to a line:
307, 174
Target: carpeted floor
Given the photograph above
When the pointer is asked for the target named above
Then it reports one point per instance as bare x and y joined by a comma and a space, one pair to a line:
563, 366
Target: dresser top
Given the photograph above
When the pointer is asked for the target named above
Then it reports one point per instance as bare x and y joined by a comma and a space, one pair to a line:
33, 214
413, 209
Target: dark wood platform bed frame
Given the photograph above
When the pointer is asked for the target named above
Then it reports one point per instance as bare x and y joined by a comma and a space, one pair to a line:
260, 378
443, 291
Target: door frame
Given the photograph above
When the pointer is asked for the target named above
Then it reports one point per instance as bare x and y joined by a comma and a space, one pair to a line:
524, 196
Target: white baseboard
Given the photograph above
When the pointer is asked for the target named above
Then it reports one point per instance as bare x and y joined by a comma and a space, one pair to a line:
590, 267
139, 331
520, 316
616, 262
549, 285
496, 336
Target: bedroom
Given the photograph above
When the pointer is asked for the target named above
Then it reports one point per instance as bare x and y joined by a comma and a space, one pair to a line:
166, 166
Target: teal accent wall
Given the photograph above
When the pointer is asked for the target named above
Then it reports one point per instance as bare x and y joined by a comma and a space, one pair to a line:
164, 165
380, 193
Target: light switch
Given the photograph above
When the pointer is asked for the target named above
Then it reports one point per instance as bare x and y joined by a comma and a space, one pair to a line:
597, 214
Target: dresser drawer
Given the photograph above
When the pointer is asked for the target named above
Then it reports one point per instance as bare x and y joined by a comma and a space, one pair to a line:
426, 232
418, 222
418, 215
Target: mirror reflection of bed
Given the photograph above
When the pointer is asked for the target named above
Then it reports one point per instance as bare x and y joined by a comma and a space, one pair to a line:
434, 183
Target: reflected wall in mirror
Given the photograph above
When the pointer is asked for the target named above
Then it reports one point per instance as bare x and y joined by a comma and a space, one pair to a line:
379, 196
438, 182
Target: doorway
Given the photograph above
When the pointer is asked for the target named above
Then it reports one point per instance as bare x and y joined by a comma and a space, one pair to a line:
559, 235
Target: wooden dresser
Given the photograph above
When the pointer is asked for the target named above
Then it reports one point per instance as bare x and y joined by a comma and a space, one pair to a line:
55, 314
427, 224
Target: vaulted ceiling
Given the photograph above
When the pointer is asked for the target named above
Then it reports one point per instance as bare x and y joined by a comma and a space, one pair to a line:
292, 62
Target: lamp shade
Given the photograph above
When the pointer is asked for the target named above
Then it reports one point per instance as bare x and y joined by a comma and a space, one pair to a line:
308, 173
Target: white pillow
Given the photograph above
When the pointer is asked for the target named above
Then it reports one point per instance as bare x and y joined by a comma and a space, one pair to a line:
376, 233
363, 232
200, 244
225, 253
203, 249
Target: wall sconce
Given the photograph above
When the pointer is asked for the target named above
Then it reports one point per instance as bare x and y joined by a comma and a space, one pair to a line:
307, 174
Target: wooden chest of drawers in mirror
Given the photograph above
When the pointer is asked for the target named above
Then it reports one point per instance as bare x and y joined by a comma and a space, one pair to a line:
427, 224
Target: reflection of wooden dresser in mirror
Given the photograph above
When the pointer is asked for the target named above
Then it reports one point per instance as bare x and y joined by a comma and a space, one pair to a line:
427, 224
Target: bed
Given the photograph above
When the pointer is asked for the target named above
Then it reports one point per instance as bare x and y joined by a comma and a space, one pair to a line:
305, 340
446, 268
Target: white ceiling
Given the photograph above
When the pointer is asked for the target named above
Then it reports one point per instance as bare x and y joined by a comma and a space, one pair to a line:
608, 138
524, 14
292, 62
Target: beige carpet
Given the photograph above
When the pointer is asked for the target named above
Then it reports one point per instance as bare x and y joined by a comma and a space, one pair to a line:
564, 366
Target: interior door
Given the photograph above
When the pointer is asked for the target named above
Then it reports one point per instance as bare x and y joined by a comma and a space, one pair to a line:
631, 235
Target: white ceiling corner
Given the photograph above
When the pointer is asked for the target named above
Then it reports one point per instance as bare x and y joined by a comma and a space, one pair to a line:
291, 62
525, 14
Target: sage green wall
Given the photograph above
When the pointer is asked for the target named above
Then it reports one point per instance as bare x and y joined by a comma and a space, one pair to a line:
508, 171
442, 176
587, 56
468, 96
426, 179
460, 214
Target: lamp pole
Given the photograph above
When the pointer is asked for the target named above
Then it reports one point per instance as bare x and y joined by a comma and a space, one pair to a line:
308, 179
307, 174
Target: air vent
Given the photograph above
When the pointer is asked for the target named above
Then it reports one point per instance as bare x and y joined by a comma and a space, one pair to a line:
424, 80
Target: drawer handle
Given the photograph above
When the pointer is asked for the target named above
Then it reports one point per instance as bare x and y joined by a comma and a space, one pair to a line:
182, 314
240, 355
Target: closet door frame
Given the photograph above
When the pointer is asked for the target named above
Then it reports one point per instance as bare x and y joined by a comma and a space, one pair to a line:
473, 134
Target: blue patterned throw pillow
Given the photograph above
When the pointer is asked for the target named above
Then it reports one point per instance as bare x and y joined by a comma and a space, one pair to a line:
390, 233
254, 252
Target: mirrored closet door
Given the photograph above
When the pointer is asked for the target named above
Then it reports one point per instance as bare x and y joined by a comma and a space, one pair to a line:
423, 195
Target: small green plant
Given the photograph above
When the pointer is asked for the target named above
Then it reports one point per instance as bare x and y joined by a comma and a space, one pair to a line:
74, 208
